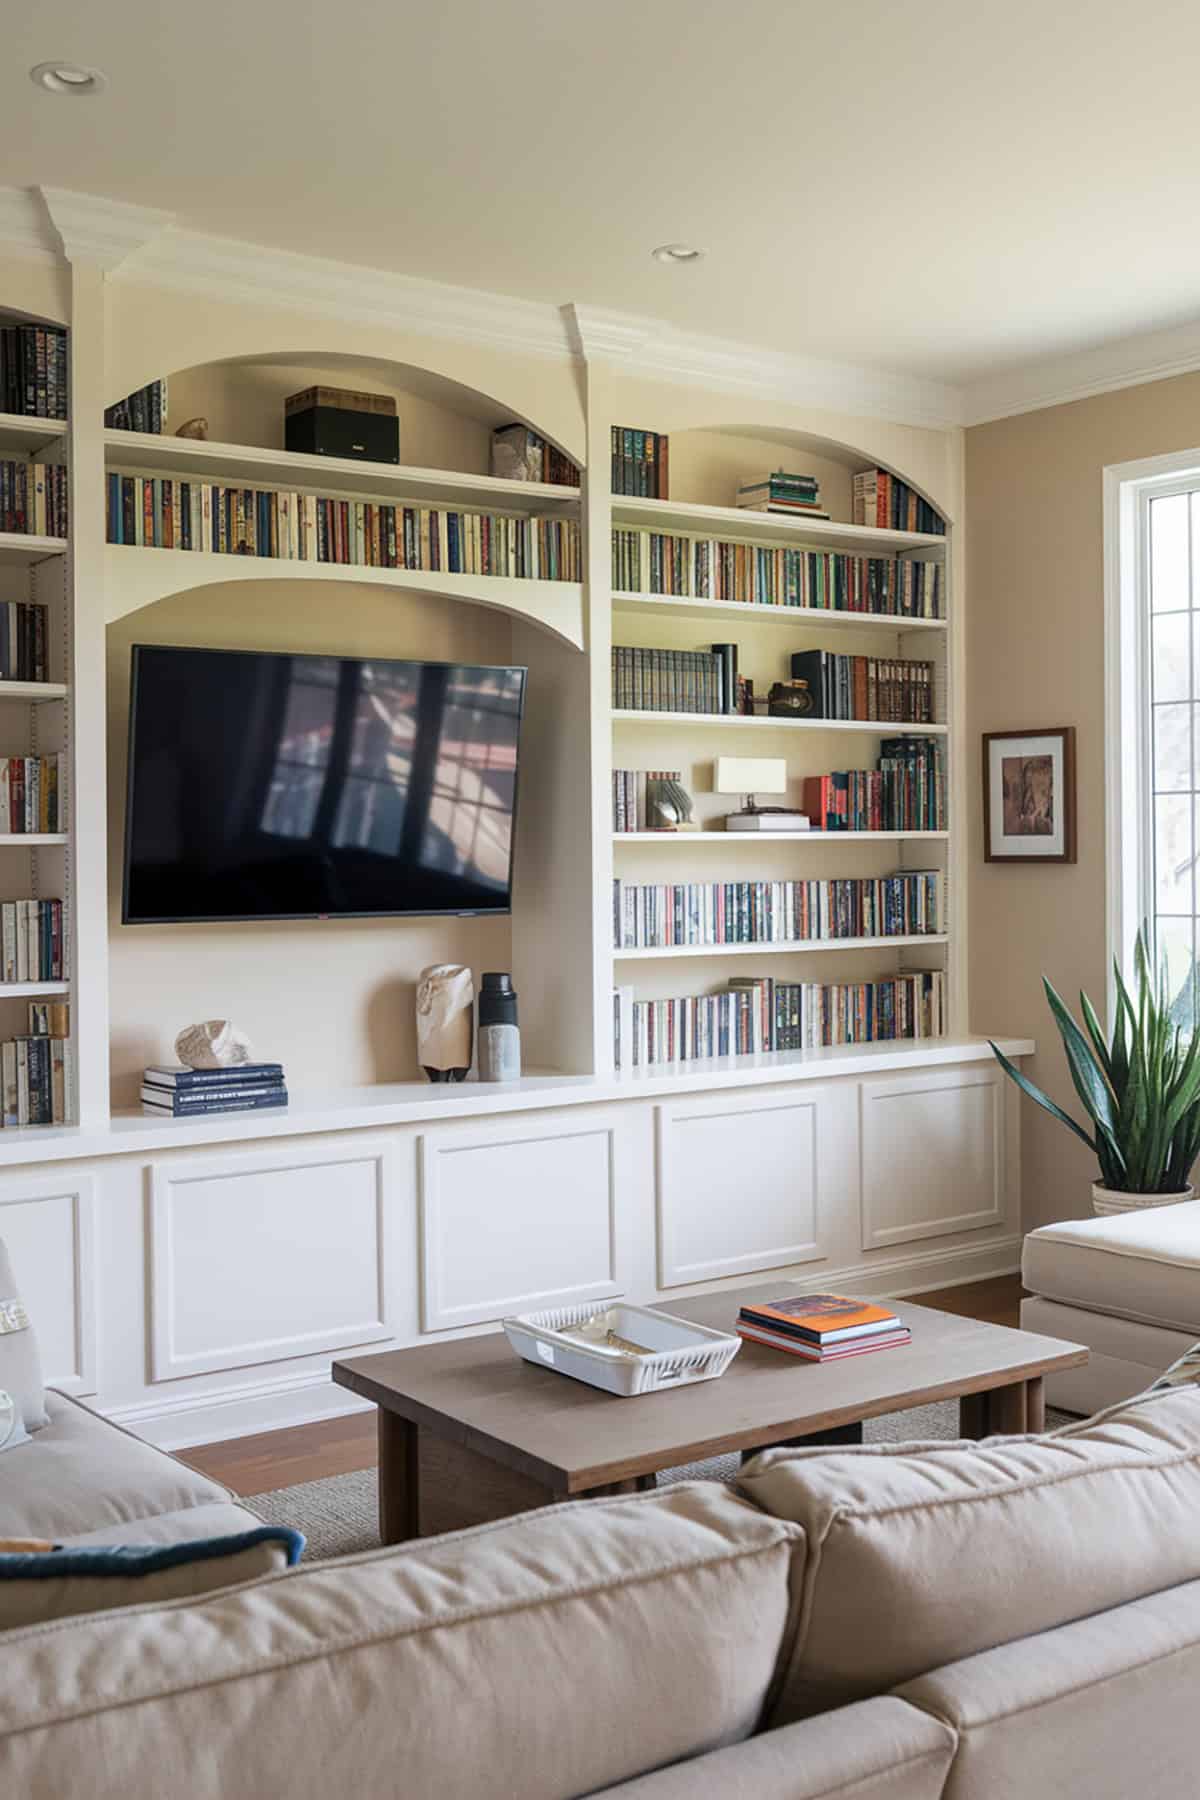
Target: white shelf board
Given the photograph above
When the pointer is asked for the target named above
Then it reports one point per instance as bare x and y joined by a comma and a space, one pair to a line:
776, 837
33, 693
140, 452
33, 840
19, 433
30, 990
685, 606
24, 548
869, 727
770, 528
138, 575
792, 948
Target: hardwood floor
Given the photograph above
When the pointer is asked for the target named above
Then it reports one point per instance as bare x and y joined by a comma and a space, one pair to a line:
274, 1459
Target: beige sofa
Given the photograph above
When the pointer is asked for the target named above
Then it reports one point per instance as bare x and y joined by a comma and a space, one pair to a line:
1018, 1618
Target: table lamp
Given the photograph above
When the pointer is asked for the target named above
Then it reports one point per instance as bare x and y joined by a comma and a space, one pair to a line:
750, 776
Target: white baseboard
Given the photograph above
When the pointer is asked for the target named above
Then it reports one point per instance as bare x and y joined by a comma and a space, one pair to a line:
283, 1401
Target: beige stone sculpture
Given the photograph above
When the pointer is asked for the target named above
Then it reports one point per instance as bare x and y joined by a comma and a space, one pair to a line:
213, 1044
193, 428
445, 1021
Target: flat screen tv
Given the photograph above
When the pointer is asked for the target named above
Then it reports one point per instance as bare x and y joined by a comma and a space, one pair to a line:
266, 786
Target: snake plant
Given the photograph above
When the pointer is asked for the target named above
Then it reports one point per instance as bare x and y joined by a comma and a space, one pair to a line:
1140, 1090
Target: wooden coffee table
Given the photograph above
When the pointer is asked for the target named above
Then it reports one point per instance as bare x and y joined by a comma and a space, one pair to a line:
469, 1432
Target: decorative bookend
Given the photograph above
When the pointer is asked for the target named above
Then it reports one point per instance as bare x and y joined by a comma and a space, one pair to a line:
445, 1021
668, 803
213, 1044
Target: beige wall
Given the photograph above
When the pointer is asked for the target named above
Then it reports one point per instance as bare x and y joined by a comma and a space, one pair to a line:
1035, 657
333, 999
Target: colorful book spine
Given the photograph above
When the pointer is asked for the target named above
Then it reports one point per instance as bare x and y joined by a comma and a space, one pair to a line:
670, 681
37, 1080
32, 941
884, 501
696, 914
33, 499
640, 463
906, 792
33, 371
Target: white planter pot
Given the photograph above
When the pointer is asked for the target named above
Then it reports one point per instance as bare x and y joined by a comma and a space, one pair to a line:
1106, 1201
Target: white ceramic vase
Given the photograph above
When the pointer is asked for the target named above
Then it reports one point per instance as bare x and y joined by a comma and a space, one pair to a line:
1107, 1201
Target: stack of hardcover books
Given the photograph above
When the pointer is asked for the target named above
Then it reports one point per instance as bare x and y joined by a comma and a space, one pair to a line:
780, 492
181, 1093
822, 1327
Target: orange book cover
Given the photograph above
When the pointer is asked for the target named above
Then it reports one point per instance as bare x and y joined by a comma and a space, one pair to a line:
819, 1315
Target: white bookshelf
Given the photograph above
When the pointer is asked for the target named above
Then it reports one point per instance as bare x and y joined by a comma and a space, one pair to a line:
736, 722
666, 840
30, 436
741, 525
22, 549
687, 606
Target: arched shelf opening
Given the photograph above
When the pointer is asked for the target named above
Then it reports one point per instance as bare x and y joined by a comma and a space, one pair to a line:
445, 425
137, 578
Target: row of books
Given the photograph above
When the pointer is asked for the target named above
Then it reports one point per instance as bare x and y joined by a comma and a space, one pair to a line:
33, 498
884, 500
33, 945
145, 410
630, 812
173, 1091
671, 681
670, 563
519, 454
797, 496
640, 463
754, 1015
33, 371
193, 515
898, 690
821, 1327
666, 915
907, 792
37, 1074
23, 641
32, 795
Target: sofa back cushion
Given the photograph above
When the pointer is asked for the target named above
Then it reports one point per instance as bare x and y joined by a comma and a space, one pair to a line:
921, 1554
546, 1656
1101, 1708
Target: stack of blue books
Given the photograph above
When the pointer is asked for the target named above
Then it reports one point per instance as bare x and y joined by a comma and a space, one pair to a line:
180, 1093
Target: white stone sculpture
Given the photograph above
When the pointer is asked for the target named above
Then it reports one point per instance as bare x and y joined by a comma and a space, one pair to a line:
213, 1044
445, 1021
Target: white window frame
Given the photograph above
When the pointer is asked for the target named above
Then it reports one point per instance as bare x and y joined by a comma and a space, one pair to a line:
1128, 490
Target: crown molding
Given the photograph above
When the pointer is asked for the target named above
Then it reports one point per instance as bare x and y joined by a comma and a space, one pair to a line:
1081, 375
25, 230
95, 230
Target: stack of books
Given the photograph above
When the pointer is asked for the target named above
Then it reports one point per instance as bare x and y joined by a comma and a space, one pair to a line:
906, 792
33, 371
37, 1072
822, 1327
782, 493
181, 1093
881, 499
897, 690
639, 463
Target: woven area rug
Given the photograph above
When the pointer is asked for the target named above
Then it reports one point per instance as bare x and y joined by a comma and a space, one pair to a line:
340, 1515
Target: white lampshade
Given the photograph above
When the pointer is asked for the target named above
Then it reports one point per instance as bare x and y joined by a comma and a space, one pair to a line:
750, 775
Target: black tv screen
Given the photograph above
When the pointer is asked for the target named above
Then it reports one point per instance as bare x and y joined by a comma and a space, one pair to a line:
267, 786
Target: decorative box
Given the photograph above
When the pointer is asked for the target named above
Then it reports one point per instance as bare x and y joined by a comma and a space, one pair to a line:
324, 421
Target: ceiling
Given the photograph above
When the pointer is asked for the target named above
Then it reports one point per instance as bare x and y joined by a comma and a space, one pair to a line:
941, 188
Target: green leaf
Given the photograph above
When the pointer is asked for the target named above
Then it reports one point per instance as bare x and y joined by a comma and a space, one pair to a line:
1043, 1100
1088, 1080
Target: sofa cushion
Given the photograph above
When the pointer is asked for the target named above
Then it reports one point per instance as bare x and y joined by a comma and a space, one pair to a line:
1143, 1265
81, 1473
20, 1363
544, 1656
215, 1518
36, 1586
921, 1554
878, 1750
1100, 1708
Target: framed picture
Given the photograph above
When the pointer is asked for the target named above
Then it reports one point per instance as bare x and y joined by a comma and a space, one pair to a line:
1029, 795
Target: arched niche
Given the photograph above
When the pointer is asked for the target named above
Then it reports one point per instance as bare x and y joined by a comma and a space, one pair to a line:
446, 422
708, 461
139, 578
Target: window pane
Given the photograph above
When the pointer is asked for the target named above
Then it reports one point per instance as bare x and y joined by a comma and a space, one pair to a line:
1194, 500
1172, 652
1169, 575
1176, 947
1172, 727
1173, 854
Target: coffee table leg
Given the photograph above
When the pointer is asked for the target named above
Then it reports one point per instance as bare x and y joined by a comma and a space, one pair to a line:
1005, 1411
399, 1481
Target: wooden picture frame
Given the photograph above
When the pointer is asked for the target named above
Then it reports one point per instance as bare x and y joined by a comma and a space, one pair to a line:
1029, 795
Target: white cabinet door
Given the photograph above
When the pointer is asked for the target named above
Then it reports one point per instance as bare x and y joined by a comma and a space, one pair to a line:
47, 1225
933, 1154
745, 1181
523, 1216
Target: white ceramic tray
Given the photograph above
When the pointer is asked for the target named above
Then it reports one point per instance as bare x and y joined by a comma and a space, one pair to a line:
680, 1352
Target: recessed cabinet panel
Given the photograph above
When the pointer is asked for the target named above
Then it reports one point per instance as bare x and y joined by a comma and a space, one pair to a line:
47, 1228
932, 1154
739, 1183
518, 1217
256, 1259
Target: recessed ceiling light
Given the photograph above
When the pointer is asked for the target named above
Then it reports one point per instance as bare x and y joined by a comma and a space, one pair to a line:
677, 253
68, 78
